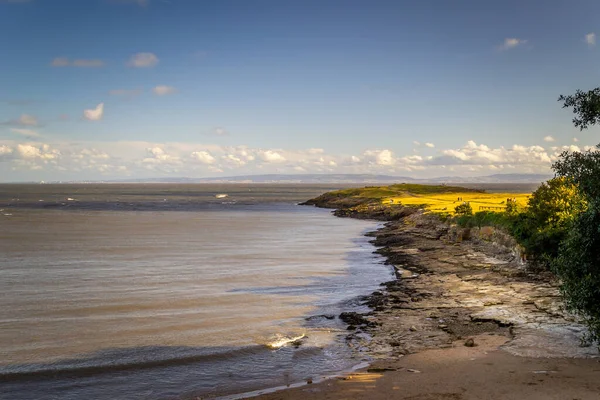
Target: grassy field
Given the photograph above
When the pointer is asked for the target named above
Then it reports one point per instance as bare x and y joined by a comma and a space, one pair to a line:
445, 202
434, 198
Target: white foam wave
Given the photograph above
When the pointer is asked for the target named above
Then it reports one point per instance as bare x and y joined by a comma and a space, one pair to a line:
281, 341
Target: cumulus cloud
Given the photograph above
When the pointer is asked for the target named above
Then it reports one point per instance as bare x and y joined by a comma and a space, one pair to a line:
5, 151
33, 151
143, 60
163, 90
85, 63
549, 139
25, 132
590, 39
430, 145
271, 156
94, 114
379, 157
204, 157
511, 43
472, 154
186, 159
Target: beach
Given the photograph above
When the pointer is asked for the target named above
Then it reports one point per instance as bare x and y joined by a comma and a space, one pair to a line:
465, 318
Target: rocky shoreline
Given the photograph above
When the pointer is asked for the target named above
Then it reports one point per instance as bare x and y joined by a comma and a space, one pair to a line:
453, 285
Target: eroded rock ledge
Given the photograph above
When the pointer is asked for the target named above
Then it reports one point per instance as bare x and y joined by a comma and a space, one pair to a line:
452, 284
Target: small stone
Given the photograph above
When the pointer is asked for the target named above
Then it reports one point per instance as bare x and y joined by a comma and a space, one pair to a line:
412, 329
470, 343
309, 381
380, 369
414, 371
443, 326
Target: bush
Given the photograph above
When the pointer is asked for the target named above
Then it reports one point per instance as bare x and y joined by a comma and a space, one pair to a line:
463, 209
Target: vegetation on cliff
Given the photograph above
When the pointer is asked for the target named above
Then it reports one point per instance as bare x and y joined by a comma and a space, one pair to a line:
558, 225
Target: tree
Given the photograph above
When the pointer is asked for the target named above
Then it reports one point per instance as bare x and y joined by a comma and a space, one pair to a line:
586, 107
578, 261
547, 220
463, 209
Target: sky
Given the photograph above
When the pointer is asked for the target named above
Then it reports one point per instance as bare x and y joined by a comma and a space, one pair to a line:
125, 89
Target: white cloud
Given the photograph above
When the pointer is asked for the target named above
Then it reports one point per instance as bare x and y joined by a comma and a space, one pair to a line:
511, 43
162, 90
271, 156
379, 157
590, 39
575, 140
143, 60
85, 63
94, 114
221, 132
549, 139
416, 143
472, 154
25, 132
203, 156
143, 159
42, 151
5, 151
125, 92
430, 145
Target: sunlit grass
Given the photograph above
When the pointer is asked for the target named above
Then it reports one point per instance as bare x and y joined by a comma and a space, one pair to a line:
446, 202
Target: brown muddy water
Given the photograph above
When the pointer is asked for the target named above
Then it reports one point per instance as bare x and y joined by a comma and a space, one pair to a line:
161, 291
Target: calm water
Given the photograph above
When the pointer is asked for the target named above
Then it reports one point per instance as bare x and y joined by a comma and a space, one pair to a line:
166, 292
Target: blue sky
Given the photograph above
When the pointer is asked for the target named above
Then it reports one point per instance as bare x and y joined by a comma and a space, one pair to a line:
217, 88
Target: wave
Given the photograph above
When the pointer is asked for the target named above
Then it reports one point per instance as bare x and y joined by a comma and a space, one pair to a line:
281, 340
118, 360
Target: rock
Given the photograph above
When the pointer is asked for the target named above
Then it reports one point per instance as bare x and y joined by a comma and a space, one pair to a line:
470, 343
412, 329
326, 316
443, 326
414, 371
381, 369
351, 328
309, 381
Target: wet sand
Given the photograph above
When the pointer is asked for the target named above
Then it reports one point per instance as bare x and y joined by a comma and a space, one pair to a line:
462, 373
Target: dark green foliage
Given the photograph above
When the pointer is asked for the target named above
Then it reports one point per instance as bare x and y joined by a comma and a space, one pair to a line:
586, 107
547, 220
463, 209
512, 208
578, 261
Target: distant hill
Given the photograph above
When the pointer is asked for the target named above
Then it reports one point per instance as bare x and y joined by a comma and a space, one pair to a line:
352, 178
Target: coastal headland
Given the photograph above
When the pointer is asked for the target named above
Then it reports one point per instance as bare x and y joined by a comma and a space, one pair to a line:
465, 318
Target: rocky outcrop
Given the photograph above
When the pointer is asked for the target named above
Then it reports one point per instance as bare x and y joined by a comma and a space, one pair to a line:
452, 284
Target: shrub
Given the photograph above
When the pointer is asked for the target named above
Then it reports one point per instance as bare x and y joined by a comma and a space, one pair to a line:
463, 209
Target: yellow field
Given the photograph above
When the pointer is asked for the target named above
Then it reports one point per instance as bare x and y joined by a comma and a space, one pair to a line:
445, 202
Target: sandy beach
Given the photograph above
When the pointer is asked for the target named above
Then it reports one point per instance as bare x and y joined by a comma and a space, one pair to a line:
462, 373
465, 319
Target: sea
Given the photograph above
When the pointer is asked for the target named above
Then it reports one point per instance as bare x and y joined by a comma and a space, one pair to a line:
175, 291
